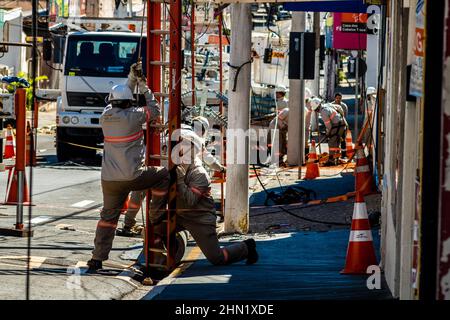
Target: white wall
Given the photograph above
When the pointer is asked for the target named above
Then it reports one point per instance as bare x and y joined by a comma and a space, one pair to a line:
12, 32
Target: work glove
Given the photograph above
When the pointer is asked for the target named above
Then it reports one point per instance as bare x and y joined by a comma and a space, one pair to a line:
181, 173
136, 69
142, 85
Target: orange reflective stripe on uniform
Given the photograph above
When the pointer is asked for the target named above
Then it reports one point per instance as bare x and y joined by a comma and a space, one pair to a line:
147, 115
159, 192
200, 193
225, 254
130, 138
333, 114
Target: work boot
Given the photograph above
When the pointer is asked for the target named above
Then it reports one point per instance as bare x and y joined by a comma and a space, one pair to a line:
126, 232
94, 266
252, 256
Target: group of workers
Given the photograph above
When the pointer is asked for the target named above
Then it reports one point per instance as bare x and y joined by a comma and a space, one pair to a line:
334, 116
124, 175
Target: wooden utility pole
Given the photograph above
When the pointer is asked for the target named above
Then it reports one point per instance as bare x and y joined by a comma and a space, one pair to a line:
237, 203
296, 130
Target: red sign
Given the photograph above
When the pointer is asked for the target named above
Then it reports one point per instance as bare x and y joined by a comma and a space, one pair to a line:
214, 39
350, 31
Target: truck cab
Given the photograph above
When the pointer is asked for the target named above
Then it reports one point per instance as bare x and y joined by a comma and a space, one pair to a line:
93, 63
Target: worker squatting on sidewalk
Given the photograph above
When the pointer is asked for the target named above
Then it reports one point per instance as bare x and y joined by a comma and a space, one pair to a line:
124, 170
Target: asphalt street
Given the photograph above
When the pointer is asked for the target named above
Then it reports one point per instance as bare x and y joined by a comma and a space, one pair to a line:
66, 200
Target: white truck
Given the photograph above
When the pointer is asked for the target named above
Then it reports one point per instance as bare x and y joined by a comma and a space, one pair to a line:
94, 61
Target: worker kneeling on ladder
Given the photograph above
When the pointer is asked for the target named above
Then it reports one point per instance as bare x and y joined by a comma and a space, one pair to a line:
200, 126
196, 209
335, 128
123, 164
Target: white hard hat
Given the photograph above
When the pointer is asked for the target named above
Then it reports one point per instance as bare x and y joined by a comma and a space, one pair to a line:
203, 122
281, 88
371, 90
315, 103
120, 92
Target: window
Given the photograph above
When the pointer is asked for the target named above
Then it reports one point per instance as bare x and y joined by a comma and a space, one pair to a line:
102, 55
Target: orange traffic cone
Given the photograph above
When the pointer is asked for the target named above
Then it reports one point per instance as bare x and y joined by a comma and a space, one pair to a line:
364, 180
360, 251
349, 144
312, 166
9, 146
11, 191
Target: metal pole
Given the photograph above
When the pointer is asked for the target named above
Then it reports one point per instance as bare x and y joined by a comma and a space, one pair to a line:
1, 142
357, 94
301, 149
174, 118
193, 52
222, 144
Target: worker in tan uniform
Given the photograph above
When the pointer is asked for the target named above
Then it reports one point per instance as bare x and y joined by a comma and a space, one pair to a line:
279, 128
335, 127
342, 108
196, 209
123, 163
200, 126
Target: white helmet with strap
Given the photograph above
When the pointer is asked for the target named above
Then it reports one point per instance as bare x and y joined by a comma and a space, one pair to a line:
281, 88
315, 103
371, 91
120, 92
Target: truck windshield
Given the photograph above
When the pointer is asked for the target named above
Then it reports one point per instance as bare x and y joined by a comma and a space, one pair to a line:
102, 55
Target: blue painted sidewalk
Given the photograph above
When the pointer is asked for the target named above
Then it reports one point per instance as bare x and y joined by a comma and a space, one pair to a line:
292, 266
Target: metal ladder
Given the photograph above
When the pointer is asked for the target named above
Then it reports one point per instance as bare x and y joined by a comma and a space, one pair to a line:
157, 69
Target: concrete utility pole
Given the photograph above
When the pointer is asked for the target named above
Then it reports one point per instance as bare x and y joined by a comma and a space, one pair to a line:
316, 83
237, 203
296, 131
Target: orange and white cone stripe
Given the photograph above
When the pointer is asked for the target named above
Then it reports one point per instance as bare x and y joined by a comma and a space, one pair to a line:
9, 145
363, 176
349, 144
360, 251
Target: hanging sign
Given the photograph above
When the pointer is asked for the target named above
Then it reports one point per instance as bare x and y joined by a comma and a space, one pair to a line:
417, 70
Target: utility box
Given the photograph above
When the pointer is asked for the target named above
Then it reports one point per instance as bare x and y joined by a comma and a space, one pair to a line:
7, 109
